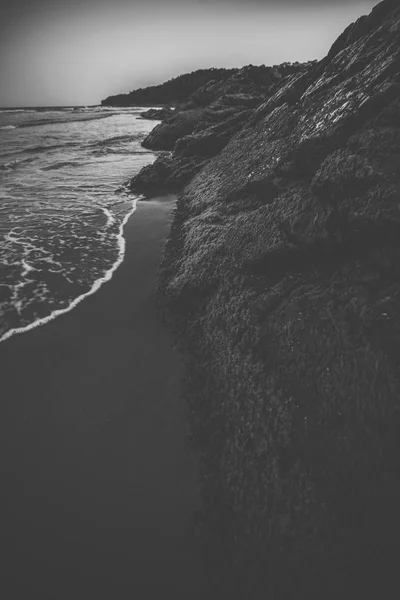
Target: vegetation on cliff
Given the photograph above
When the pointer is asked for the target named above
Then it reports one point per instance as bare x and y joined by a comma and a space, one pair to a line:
281, 278
173, 91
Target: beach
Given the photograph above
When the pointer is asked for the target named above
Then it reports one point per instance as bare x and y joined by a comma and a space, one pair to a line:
98, 482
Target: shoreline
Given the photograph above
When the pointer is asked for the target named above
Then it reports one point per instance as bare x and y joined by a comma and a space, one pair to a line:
95, 287
98, 482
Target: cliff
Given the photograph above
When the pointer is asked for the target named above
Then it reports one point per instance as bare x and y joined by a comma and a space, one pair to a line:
173, 91
206, 122
281, 279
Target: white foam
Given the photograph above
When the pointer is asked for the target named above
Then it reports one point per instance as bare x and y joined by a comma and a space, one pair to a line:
109, 215
27, 268
50, 260
96, 286
17, 303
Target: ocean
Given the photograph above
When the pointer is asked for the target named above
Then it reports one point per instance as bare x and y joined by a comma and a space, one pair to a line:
63, 204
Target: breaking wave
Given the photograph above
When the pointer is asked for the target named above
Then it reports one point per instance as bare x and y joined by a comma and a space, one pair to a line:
40, 122
63, 206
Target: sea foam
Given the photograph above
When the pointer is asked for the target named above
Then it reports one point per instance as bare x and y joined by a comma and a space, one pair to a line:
95, 287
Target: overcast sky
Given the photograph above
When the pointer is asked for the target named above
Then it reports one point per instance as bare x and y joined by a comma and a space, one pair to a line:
75, 52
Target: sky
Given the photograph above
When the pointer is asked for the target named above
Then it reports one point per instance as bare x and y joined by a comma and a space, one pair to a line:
77, 52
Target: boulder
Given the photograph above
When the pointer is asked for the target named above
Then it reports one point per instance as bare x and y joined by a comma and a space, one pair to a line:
167, 174
157, 114
164, 135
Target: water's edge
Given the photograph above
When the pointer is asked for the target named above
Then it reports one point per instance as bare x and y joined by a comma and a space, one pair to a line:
96, 285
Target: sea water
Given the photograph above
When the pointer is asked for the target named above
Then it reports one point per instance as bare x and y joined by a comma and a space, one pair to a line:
63, 203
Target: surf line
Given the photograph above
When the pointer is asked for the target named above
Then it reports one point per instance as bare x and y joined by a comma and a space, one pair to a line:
96, 285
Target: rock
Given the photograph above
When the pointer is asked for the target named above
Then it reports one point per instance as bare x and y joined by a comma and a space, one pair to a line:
166, 174
203, 125
211, 131
281, 278
157, 114
208, 141
164, 135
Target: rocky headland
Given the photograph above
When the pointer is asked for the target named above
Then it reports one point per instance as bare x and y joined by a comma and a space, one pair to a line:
171, 92
204, 124
281, 279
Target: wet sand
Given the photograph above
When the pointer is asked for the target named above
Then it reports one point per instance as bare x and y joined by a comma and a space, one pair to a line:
97, 480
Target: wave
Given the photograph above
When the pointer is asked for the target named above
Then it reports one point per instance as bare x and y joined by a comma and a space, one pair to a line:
96, 285
31, 149
119, 138
106, 146
128, 151
38, 149
59, 165
11, 110
110, 217
41, 122
14, 164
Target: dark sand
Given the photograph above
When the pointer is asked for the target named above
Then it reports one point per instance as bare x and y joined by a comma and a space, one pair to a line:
97, 481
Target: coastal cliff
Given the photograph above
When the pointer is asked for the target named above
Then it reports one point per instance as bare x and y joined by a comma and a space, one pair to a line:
281, 279
171, 92
204, 124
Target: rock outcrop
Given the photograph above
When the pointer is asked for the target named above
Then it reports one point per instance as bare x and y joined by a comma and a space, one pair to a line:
167, 173
204, 124
157, 114
281, 279
164, 135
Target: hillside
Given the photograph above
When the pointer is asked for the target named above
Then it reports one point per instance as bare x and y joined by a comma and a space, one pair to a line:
172, 92
206, 122
281, 280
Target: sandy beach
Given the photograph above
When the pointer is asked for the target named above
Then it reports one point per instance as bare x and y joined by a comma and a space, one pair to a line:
98, 483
